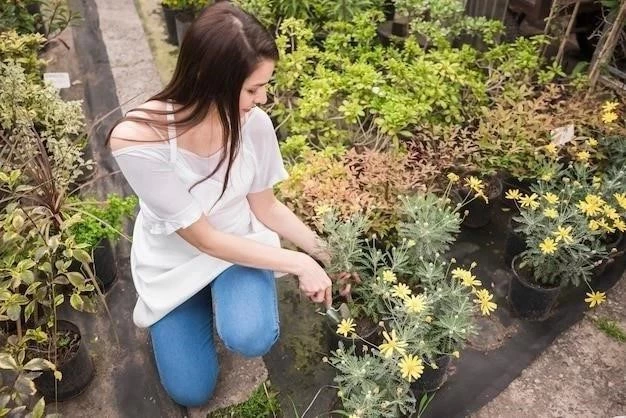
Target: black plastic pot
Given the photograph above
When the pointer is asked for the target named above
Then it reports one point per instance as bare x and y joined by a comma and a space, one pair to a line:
183, 22
432, 379
372, 335
528, 300
515, 243
104, 265
511, 182
479, 212
77, 370
613, 242
169, 16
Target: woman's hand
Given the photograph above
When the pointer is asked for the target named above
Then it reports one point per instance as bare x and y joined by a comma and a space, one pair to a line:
314, 282
346, 280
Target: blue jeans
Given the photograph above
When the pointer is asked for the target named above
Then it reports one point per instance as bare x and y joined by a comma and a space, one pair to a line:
246, 316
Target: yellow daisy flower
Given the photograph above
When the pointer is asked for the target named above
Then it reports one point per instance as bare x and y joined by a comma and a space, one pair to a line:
453, 177
345, 327
512, 194
389, 276
548, 246
550, 213
410, 243
592, 142
415, 304
610, 106
552, 149
475, 184
466, 277
484, 301
401, 291
621, 199
564, 234
411, 367
609, 117
595, 298
529, 201
392, 344
591, 206
456, 354
603, 223
583, 156
593, 225
610, 212
619, 224
551, 198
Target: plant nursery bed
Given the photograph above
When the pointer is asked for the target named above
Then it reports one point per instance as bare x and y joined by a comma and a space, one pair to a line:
503, 348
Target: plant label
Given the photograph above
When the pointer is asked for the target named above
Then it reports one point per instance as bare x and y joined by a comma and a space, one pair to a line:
58, 80
563, 135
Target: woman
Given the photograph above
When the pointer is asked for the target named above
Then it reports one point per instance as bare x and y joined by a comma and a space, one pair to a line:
203, 160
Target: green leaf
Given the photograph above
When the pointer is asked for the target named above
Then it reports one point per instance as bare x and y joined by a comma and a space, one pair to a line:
82, 256
39, 364
7, 362
58, 300
14, 310
77, 302
38, 409
76, 279
30, 308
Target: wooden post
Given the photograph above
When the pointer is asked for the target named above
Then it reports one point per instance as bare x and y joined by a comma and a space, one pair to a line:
606, 46
568, 31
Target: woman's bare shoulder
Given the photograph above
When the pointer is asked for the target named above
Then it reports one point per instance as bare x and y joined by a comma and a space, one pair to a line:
130, 132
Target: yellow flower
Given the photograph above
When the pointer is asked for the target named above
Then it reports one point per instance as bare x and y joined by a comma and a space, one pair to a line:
548, 246
619, 224
453, 177
415, 304
411, 367
595, 298
610, 212
551, 213
592, 142
428, 319
456, 354
564, 234
583, 156
389, 276
591, 206
512, 194
621, 199
466, 277
602, 223
322, 210
484, 300
529, 201
401, 291
547, 176
551, 198
474, 184
609, 117
610, 106
345, 327
410, 243
593, 225
392, 344
552, 149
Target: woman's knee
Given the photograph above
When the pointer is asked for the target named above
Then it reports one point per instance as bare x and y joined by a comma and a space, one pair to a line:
250, 340
191, 392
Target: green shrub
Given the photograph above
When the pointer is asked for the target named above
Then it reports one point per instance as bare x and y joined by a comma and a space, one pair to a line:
102, 220
23, 50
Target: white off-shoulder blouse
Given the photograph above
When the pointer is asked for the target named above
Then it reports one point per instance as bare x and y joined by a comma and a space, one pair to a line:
166, 269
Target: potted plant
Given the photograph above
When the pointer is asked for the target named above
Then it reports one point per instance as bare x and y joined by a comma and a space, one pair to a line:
477, 196
562, 247
100, 225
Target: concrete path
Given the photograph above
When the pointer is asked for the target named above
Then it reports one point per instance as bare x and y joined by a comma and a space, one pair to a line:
582, 374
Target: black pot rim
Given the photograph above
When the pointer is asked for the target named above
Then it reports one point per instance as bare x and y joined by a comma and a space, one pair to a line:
526, 283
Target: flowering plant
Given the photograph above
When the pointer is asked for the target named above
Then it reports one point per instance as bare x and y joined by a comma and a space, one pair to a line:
563, 244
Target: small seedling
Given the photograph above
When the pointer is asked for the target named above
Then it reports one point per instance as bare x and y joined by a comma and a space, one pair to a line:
611, 329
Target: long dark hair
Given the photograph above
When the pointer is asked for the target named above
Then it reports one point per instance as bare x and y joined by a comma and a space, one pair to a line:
220, 50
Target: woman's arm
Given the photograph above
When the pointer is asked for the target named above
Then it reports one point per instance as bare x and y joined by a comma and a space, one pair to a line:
280, 219
238, 250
